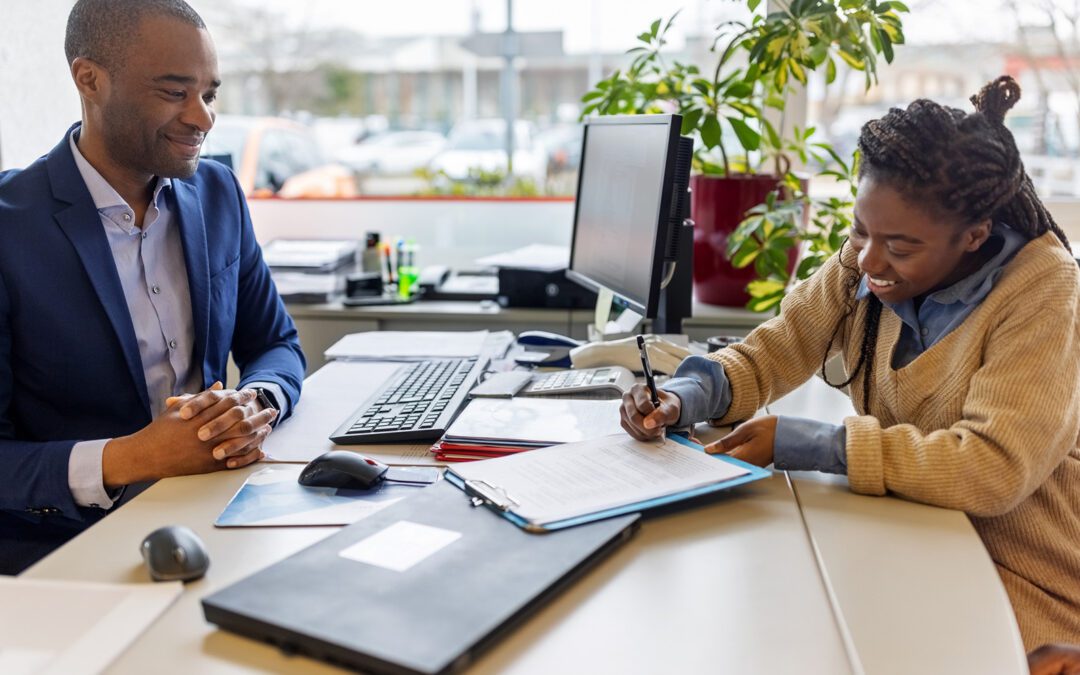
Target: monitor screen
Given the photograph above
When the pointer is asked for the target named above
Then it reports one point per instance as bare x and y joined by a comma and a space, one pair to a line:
621, 206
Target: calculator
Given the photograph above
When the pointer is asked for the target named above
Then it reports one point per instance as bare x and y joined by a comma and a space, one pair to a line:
602, 382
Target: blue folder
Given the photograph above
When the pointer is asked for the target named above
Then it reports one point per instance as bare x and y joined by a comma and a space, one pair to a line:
755, 473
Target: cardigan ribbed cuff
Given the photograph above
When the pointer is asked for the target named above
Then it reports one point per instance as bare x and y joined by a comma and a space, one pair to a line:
866, 471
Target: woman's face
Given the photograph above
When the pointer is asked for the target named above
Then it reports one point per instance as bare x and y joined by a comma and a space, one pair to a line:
904, 250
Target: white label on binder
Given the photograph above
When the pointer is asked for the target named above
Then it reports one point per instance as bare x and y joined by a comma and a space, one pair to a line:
400, 546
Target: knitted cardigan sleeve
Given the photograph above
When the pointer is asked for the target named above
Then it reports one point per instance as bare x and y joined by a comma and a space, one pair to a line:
782, 353
1020, 415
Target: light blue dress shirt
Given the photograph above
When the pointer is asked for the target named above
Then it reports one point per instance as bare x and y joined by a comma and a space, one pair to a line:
803, 444
153, 275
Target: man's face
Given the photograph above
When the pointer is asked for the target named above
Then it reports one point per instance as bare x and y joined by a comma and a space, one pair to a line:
160, 103
905, 251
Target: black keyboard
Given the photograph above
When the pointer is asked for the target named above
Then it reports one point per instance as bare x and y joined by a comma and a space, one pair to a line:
417, 404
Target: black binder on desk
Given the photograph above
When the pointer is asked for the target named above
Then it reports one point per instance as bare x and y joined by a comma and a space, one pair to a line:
419, 587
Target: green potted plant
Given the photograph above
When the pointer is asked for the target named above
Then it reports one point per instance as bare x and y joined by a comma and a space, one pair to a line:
747, 203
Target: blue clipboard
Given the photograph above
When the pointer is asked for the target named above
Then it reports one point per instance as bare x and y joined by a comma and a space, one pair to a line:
755, 473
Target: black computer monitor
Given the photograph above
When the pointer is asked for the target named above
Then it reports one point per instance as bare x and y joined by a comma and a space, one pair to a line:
632, 234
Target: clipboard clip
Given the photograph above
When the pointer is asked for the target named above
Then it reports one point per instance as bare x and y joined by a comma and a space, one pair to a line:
483, 492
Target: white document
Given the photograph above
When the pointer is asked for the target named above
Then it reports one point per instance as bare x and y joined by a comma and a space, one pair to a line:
564, 481
540, 257
70, 628
330, 395
403, 345
536, 420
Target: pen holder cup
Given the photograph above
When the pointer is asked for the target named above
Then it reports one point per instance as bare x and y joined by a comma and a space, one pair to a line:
407, 277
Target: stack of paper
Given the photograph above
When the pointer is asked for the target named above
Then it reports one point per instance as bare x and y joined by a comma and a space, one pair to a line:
407, 345
491, 427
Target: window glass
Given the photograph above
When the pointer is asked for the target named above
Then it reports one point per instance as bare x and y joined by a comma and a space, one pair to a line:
410, 98
951, 50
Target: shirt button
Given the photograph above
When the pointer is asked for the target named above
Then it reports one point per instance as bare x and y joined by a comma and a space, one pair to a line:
155, 289
924, 331
144, 235
172, 344
127, 216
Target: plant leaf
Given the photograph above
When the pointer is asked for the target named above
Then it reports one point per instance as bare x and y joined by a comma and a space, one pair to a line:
690, 121
748, 138
745, 255
762, 287
710, 131
765, 303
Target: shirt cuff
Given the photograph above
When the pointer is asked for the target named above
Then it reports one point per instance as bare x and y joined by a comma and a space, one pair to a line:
85, 478
278, 394
809, 445
703, 390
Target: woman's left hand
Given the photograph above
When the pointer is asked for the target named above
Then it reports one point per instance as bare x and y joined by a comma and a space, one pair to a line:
751, 441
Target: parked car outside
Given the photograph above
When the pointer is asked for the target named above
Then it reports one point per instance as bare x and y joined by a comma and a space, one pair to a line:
334, 133
394, 153
562, 152
275, 156
480, 145
562, 147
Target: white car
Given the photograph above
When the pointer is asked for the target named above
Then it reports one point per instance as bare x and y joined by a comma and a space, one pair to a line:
395, 153
481, 145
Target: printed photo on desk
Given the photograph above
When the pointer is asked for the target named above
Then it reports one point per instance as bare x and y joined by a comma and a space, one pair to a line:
272, 497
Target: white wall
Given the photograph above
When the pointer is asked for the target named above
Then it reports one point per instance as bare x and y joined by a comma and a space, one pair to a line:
39, 100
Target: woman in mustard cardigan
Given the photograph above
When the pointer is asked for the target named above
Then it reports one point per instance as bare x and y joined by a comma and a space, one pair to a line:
954, 309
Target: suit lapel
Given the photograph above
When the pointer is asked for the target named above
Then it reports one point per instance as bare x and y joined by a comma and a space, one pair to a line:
197, 259
81, 223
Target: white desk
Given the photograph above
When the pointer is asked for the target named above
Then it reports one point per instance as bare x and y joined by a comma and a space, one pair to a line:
741, 586
912, 583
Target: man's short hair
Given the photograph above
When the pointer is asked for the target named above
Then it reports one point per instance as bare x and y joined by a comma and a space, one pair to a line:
100, 29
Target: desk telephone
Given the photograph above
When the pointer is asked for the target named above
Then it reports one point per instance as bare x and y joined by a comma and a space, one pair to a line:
601, 369
549, 349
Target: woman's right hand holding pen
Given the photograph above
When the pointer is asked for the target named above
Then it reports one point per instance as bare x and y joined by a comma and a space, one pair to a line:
644, 421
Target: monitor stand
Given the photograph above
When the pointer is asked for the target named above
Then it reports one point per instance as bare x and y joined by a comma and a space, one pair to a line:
677, 297
603, 327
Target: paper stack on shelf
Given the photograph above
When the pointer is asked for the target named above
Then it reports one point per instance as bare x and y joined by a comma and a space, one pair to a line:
490, 427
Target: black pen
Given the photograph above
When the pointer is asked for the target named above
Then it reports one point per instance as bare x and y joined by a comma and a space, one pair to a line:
647, 369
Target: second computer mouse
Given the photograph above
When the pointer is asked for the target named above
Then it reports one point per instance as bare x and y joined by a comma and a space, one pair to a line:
343, 469
174, 553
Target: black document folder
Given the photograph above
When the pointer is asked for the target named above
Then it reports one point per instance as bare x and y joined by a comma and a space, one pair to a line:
419, 587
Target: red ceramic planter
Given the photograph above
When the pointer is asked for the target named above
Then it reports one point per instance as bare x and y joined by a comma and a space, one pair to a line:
717, 206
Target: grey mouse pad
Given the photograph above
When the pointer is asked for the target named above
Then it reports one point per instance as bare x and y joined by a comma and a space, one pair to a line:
419, 587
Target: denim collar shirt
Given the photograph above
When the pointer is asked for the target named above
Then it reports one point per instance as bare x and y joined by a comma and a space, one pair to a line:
803, 444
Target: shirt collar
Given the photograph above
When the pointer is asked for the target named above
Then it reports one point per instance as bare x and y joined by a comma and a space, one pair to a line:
103, 194
973, 288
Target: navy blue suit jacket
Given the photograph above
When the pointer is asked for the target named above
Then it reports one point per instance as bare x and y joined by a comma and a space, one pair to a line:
70, 368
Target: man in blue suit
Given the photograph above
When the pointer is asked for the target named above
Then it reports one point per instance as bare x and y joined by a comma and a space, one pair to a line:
128, 272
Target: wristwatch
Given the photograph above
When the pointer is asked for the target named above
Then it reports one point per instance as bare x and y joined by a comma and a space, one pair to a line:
265, 399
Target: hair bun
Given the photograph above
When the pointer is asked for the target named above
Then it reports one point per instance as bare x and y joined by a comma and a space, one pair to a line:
997, 98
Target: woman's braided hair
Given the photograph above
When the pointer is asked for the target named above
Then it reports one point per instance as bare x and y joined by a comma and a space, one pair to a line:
964, 167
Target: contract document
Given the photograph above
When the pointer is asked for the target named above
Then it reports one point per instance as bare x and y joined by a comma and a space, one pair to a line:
575, 483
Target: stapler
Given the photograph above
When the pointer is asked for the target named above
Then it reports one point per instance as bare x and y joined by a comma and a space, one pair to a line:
546, 349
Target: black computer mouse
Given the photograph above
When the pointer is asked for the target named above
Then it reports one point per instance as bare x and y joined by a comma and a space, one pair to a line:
174, 553
343, 469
